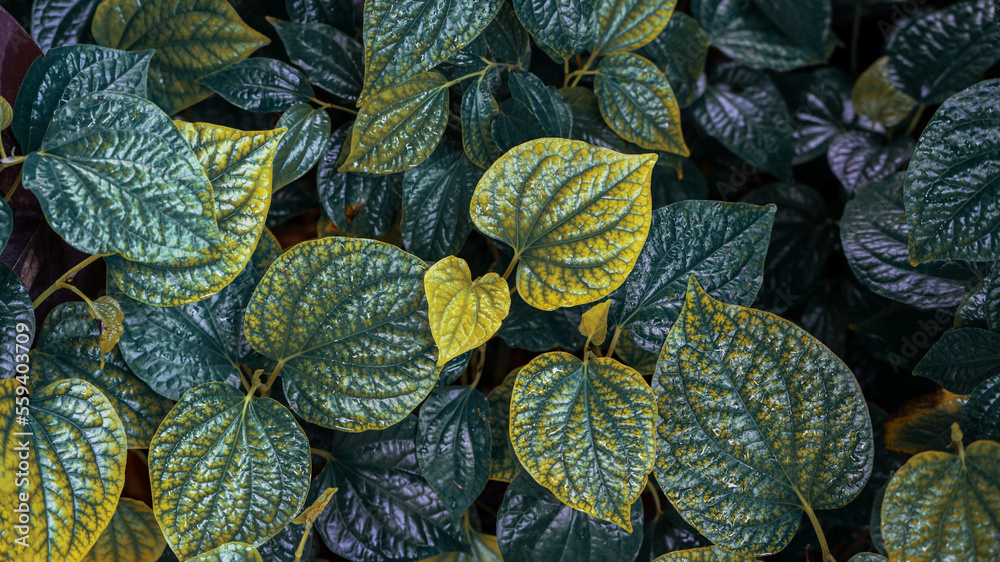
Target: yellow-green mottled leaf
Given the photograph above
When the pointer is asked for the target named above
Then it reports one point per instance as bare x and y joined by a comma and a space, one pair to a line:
576, 216
638, 103
230, 552
403, 38
758, 422
626, 25
707, 554
584, 430
132, 536
192, 38
399, 127
875, 97
347, 322
6, 113
924, 423
68, 348
503, 462
109, 314
941, 506
239, 165
594, 324
75, 449
463, 313
309, 514
633, 355
225, 467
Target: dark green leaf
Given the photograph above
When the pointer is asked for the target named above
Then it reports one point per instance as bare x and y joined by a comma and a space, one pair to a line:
17, 316
962, 359
479, 108
282, 547
806, 23
505, 40
56, 23
6, 224
860, 157
668, 188
545, 102
514, 125
991, 308
971, 311
626, 25
338, 13
668, 532
981, 417
331, 59
302, 145
533, 329
260, 84
588, 123
564, 26
820, 103
504, 465
453, 369
680, 50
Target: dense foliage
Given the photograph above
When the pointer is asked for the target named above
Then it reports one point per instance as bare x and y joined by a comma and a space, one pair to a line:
478, 280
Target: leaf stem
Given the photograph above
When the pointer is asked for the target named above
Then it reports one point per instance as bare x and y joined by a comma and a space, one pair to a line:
13, 188
614, 341
565, 72
321, 453
11, 161
656, 497
266, 389
324, 105
916, 119
510, 267
586, 66
581, 73
827, 557
64, 280
466, 77
480, 357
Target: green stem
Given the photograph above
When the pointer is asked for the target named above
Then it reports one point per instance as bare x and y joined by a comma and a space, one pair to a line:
827, 557
11, 161
614, 341
321, 453
916, 119
66, 278
581, 73
586, 66
565, 72
466, 77
324, 105
13, 188
511, 267
854, 40
266, 389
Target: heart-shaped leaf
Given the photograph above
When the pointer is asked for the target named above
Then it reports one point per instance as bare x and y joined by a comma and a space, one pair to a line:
680, 50
303, 143
338, 13
332, 59
479, 108
260, 84
60, 22
133, 535
563, 26
626, 25
527, 327
858, 158
875, 97
806, 23
230, 552
17, 323
707, 554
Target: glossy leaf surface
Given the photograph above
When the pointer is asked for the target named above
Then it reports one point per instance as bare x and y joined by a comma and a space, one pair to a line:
132, 536
680, 50
338, 13
260, 84
60, 22
924, 423
17, 316
707, 554
504, 465
230, 552
962, 359
529, 328
479, 108
332, 60
859, 158
626, 25
302, 145
562, 26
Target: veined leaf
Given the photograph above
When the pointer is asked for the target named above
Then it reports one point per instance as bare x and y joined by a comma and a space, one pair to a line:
192, 38
6, 223
75, 447
924, 423
503, 461
332, 59
529, 328
962, 359
981, 416
588, 123
109, 317
399, 127
875, 97
230, 552
260, 84
504, 40
258, 459
576, 216
707, 554
17, 317
302, 145
133, 535
484, 549
338, 366
563, 26
805, 23
821, 109
60, 22
338, 13
680, 50
858, 158
6, 113
626, 25
594, 324
574, 435
535, 111
637, 102
151, 203
479, 108
758, 422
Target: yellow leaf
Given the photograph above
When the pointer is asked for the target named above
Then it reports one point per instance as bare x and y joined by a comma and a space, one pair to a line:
594, 323
108, 312
309, 514
923, 424
463, 313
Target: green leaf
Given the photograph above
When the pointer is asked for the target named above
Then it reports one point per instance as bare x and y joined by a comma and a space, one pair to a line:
971, 312
504, 40
626, 25
668, 187
17, 317
67, 73
944, 51
258, 459
962, 359
545, 102
924, 423
563, 26
758, 422
530, 328
594, 323
534, 525
6, 113
230, 552
152, 203
575, 215
588, 123
805, 23
239, 165
332, 59
573, 435
680, 50
637, 103
6, 223
132, 536
667, 533
436, 198
504, 465
338, 13
260, 84
400, 127
453, 445
302, 145
479, 108
744, 111
75, 447
403, 38
721, 244
342, 368
950, 205
868, 557
858, 158
380, 488
941, 506
981, 417
706, 554
60, 22
875, 97
282, 547
873, 232
192, 38
821, 109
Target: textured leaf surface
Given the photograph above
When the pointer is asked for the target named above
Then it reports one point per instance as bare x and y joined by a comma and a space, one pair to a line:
529, 328
60, 22
504, 40
230, 552
463, 313
758, 421
821, 108
680, 50
626, 25
479, 108
338, 13
962, 359
981, 416
875, 97
584, 430
807, 23
924, 423
576, 216
545, 102
707, 554
132, 536
109, 316
722, 244
858, 158
563, 26
594, 324
341, 367
303, 143
332, 59
192, 38
15, 310
260, 84
6, 224
76, 468
225, 467
503, 461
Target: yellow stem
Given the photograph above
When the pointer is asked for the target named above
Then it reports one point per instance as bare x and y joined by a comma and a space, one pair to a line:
656, 498
266, 389
586, 66
13, 188
614, 341
321, 453
827, 557
510, 267
66, 277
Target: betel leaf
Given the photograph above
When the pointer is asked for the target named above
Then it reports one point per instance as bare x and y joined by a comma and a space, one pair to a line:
626, 25
575, 215
991, 308
6, 113
875, 97
260, 84
758, 422
436, 198
399, 127
680, 50
338, 13
341, 367
706, 554
332, 59
594, 323
944, 51
588, 123
873, 232
150, 203
108, 314
971, 312
17, 322
637, 102
941, 506
303, 143
821, 109
239, 166
858, 157
981, 417
479, 108
951, 206
534, 525
67, 73
516, 124
192, 38
503, 461
563, 26
924, 423
75, 447
230, 552
282, 547
962, 359
258, 459
133, 535
667, 533
402, 39
584, 430
722, 244
529, 328
805, 23
463, 314
6, 223
68, 349
380, 488
453, 445
743, 110
545, 102
504, 40
60, 22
